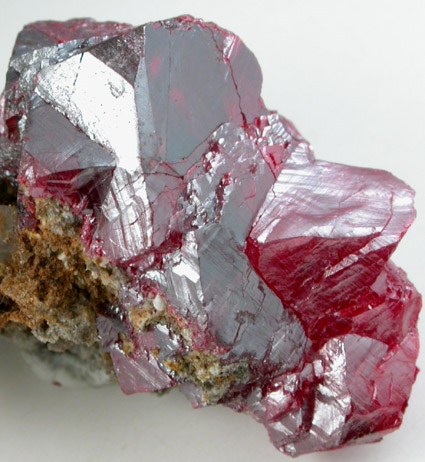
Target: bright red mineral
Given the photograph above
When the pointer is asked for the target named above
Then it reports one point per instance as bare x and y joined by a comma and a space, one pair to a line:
255, 276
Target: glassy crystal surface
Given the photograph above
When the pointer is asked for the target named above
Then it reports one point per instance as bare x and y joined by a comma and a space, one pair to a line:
230, 262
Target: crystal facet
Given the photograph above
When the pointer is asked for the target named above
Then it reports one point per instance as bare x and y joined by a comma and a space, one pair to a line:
226, 260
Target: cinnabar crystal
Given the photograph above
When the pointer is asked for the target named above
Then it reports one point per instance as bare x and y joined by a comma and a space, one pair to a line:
250, 273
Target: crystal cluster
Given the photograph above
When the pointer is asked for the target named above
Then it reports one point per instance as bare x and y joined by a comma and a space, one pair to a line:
243, 271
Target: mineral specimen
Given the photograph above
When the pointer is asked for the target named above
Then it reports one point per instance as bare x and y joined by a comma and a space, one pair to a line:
160, 226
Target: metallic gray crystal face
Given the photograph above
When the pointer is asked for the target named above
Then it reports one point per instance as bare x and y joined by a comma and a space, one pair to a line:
258, 276
215, 210
74, 149
346, 377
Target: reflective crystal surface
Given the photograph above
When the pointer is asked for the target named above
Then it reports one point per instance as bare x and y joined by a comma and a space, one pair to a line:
258, 277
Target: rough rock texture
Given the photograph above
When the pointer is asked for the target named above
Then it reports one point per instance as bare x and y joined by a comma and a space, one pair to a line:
165, 213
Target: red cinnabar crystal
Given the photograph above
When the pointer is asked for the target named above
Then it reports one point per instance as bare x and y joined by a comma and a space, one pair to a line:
239, 268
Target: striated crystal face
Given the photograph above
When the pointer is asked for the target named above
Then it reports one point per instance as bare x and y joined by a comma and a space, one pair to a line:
255, 276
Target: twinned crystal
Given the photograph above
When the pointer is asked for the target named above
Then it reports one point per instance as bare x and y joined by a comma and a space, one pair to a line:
160, 226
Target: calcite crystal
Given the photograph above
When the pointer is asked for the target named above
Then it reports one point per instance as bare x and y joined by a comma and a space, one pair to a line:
161, 227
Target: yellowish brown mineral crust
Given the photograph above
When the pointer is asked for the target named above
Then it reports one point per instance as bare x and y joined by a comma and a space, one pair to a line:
53, 290
8, 218
51, 286
207, 371
211, 374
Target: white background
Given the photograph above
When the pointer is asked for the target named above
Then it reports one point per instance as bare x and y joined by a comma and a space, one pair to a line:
351, 75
